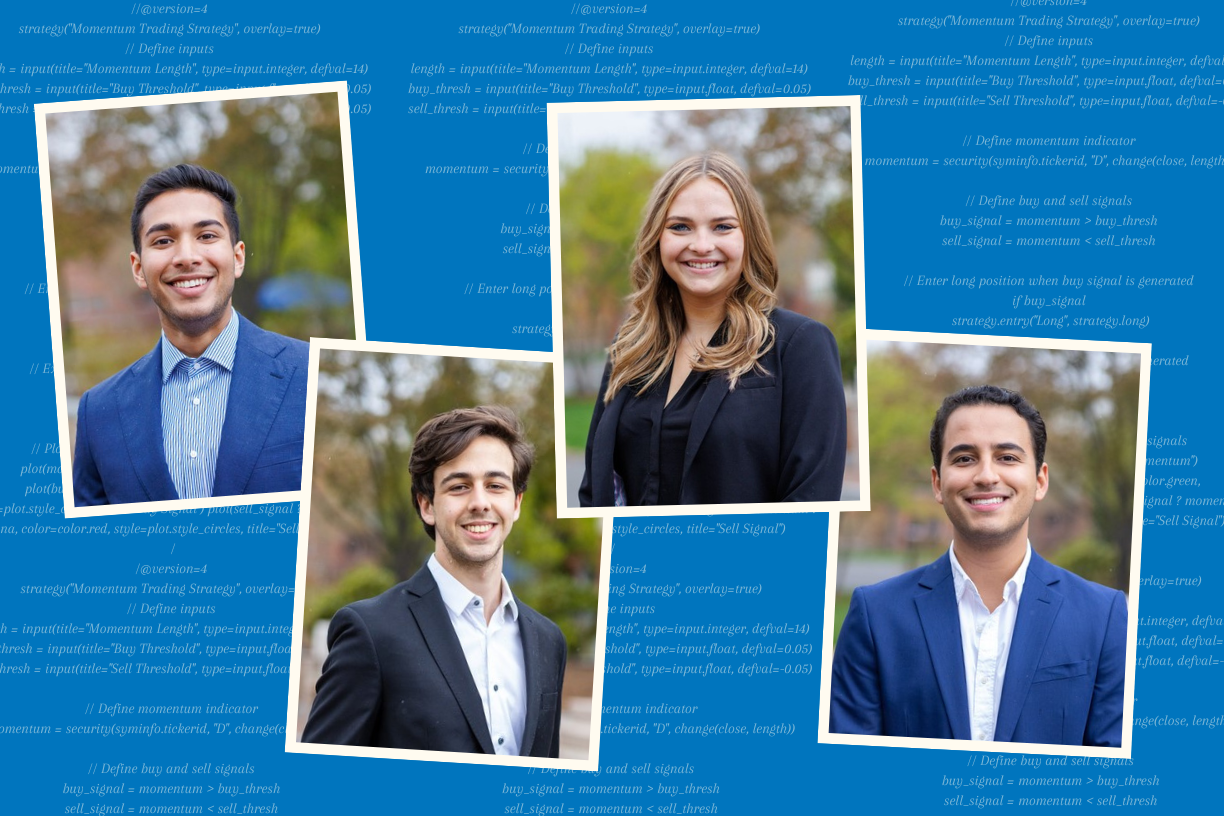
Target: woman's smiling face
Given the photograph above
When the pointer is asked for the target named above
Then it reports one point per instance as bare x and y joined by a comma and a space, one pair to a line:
702, 246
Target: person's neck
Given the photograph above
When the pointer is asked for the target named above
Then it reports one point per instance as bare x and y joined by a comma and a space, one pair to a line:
990, 567
484, 580
191, 342
702, 319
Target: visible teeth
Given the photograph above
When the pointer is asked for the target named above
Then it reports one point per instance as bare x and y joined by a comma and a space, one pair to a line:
996, 500
703, 264
479, 528
189, 284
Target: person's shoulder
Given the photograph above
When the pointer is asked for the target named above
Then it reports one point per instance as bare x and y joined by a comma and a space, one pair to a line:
374, 613
286, 349
787, 320
1072, 585
889, 604
397, 595
904, 584
108, 388
794, 327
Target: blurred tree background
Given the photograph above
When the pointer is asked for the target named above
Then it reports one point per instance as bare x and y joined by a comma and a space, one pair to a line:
1090, 403
284, 156
365, 535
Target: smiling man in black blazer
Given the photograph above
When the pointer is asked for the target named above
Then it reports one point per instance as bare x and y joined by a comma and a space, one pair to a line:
450, 660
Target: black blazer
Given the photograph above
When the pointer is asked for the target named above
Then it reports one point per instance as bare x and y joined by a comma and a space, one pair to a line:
396, 677
779, 436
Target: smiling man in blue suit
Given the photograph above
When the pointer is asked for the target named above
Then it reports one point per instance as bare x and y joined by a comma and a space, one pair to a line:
991, 642
218, 407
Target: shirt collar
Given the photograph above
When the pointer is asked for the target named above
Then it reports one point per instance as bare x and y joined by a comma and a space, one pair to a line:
961, 582
221, 350
458, 598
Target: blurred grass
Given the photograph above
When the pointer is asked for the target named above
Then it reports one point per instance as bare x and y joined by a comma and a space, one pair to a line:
578, 413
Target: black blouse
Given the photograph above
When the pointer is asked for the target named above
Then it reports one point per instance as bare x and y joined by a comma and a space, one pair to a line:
779, 435
656, 434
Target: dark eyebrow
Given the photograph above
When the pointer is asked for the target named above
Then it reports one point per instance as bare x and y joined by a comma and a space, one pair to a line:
467, 477
165, 226
1002, 446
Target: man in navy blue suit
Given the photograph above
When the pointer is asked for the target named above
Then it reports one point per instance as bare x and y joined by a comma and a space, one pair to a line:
991, 642
218, 407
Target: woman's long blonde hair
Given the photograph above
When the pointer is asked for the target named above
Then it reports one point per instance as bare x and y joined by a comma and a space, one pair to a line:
647, 342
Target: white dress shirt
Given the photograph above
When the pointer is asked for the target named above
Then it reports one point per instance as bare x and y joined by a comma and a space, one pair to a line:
986, 639
494, 653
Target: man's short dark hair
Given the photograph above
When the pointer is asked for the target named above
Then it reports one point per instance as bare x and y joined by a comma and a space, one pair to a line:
448, 435
186, 177
989, 395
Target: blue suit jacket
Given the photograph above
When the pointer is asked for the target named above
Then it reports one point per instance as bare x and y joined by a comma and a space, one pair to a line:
899, 670
119, 457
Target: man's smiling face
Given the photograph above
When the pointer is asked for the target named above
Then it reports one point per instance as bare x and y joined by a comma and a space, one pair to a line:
188, 262
474, 505
988, 479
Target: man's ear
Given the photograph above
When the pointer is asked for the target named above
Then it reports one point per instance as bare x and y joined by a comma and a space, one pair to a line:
935, 485
138, 271
239, 259
518, 505
426, 507
1043, 482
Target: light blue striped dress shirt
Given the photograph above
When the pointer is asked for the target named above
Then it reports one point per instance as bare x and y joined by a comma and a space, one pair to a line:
193, 399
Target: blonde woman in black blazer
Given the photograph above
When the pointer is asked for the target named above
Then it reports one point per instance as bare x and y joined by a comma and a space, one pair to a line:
712, 394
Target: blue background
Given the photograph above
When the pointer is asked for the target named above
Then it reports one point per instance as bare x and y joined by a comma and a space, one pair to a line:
424, 238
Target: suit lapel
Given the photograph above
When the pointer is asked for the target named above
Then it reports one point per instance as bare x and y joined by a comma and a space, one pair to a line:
434, 621
715, 391
1039, 604
531, 657
603, 452
936, 602
258, 386
140, 415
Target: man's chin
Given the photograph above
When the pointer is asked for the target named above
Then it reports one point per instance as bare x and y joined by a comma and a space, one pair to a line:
195, 324
475, 553
986, 539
